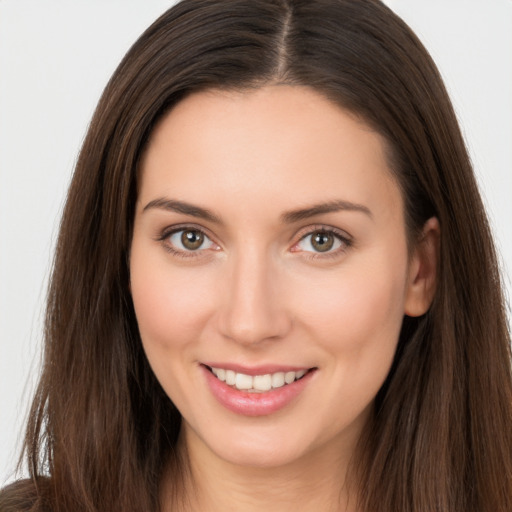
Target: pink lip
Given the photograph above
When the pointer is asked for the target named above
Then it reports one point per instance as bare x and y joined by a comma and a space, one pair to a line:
255, 404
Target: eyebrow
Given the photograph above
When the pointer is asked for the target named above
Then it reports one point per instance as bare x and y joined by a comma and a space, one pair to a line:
172, 205
328, 207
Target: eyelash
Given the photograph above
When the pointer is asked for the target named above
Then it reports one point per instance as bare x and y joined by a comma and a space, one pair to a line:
345, 241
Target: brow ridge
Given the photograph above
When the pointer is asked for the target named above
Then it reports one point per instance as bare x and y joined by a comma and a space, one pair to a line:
321, 208
289, 217
173, 205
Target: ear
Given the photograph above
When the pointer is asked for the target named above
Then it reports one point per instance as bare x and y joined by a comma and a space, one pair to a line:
422, 278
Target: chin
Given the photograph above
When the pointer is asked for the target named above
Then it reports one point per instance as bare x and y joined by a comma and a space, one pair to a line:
269, 456
266, 445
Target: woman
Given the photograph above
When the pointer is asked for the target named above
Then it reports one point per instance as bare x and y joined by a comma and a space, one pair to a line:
274, 284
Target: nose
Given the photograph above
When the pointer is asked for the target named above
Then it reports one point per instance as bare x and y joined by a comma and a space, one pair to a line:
253, 309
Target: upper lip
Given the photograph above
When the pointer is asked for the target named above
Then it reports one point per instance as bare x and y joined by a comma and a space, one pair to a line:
262, 369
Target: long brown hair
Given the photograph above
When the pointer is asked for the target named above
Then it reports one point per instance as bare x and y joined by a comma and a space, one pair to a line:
101, 429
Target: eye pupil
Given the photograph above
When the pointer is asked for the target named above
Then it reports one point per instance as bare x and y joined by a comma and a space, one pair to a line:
322, 241
192, 240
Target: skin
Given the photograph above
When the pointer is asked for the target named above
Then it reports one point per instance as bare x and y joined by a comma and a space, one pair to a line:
258, 292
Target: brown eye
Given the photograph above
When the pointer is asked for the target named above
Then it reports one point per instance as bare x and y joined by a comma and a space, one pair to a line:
322, 241
188, 242
191, 239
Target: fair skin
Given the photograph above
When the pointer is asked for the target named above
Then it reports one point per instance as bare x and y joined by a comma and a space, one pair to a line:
269, 237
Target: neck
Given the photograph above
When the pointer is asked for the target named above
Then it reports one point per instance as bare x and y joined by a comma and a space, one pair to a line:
316, 481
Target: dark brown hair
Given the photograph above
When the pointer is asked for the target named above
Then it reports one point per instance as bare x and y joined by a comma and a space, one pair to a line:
101, 428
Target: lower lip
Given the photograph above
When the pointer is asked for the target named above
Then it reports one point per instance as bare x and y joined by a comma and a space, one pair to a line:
255, 404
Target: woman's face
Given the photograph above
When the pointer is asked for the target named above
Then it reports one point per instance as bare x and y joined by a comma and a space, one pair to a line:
269, 248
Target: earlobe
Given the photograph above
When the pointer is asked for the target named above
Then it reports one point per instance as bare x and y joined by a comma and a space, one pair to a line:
423, 268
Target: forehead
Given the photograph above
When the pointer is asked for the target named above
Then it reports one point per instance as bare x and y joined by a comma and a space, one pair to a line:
286, 145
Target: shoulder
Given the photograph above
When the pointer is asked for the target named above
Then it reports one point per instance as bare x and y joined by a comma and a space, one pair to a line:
23, 496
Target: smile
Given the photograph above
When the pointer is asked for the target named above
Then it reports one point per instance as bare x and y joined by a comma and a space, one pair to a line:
268, 390
257, 383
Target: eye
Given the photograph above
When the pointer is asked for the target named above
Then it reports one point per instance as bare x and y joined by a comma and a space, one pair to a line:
322, 241
188, 240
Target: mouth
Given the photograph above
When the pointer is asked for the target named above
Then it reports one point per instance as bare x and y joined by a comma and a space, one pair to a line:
258, 383
257, 391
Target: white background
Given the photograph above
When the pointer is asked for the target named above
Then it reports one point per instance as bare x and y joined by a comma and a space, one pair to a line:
55, 58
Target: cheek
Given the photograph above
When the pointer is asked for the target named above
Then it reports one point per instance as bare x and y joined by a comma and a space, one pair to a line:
356, 321
170, 304
358, 311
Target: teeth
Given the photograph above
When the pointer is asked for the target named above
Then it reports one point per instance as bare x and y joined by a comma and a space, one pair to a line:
262, 382
257, 382
289, 377
230, 377
278, 380
243, 381
300, 374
